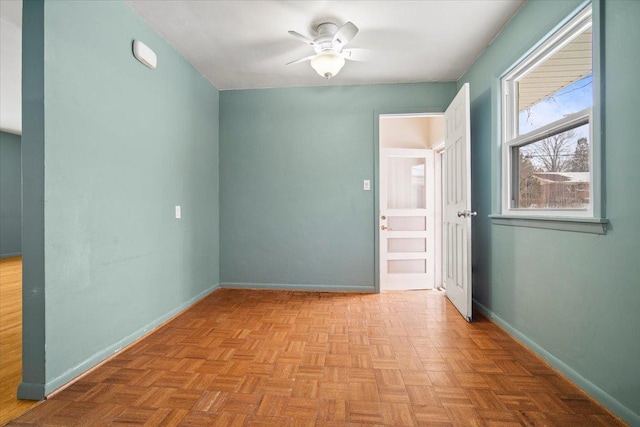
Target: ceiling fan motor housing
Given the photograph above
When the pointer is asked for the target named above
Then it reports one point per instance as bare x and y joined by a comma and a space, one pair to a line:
326, 32
329, 58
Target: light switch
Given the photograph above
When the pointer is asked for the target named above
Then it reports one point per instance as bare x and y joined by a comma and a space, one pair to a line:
178, 212
367, 185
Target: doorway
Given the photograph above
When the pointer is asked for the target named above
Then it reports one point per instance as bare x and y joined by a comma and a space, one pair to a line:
410, 202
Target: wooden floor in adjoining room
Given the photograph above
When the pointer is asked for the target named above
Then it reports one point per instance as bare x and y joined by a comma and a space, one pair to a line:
279, 358
11, 339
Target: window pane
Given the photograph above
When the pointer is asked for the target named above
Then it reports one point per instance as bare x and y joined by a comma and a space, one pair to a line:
406, 183
560, 85
554, 172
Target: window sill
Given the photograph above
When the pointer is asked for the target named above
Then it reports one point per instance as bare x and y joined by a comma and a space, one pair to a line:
579, 225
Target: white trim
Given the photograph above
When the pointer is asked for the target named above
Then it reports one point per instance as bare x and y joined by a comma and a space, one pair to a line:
401, 256
406, 115
406, 212
438, 168
408, 234
569, 122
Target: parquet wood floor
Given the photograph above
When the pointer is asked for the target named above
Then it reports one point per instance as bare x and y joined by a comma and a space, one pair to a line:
11, 339
276, 358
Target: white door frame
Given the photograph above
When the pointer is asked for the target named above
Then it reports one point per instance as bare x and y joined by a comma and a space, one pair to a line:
439, 164
408, 112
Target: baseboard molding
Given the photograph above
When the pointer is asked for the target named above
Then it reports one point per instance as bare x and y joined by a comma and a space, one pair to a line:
30, 391
3, 256
112, 350
297, 287
590, 388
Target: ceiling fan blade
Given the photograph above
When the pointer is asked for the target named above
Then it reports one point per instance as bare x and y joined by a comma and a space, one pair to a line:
302, 38
345, 34
357, 54
300, 60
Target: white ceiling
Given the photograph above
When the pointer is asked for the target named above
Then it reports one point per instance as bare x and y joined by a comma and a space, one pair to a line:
244, 44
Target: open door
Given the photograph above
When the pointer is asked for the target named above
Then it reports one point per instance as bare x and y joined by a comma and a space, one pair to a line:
457, 211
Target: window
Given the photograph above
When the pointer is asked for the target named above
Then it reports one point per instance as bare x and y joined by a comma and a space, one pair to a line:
547, 149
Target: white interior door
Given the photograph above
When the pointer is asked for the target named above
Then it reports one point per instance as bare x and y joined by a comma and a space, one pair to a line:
438, 162
458, 214
406, 219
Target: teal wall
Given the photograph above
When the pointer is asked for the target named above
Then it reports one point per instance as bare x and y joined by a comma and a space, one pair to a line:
293, 211
120, 145
110, 147
10, 195
572, 297
33, 304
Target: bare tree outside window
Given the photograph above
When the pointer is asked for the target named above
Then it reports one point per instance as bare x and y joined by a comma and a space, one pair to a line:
554, 172
554, 154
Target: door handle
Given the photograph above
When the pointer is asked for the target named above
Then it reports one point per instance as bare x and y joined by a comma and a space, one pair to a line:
467, 214
384, 227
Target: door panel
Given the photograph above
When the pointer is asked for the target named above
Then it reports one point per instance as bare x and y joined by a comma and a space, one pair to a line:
408, 244
406, 223
457, 216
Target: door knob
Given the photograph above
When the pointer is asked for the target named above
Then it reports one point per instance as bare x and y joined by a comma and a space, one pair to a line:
384, 227
467, 214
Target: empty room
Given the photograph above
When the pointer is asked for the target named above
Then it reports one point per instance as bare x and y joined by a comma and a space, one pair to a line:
319, 213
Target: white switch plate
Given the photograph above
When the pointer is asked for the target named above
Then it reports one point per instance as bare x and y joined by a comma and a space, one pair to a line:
178, 212
367, 185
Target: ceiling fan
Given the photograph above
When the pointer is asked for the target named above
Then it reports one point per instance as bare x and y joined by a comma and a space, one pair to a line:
329, 46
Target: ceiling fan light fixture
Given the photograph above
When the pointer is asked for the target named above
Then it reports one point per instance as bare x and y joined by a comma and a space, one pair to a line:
327, 63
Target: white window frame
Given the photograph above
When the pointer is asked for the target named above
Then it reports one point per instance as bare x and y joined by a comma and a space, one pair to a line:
510, 139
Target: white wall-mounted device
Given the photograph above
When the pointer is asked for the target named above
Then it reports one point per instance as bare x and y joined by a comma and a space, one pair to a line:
144, 54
